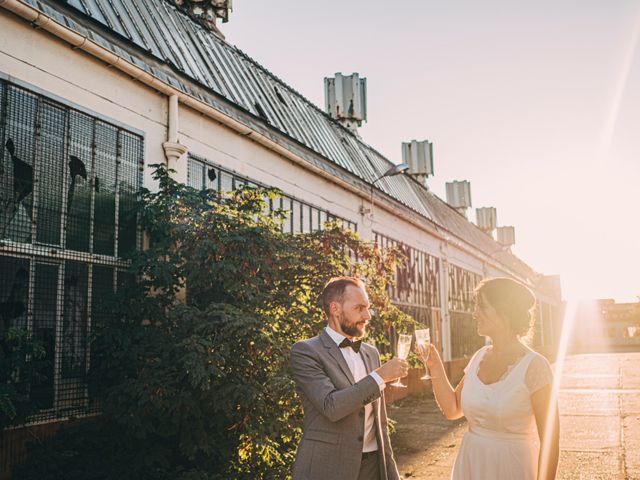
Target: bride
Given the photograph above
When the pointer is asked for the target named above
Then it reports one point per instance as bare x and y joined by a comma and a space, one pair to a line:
505, 393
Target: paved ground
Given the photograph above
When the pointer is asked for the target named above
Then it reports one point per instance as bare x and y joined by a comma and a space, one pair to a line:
600, 424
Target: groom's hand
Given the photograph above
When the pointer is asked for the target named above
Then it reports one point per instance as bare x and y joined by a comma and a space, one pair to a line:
394, 368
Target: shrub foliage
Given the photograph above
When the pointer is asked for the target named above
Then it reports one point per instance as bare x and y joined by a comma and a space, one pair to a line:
192, 368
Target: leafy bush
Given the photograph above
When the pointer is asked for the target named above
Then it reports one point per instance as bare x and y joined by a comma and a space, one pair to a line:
192, 370
21, 369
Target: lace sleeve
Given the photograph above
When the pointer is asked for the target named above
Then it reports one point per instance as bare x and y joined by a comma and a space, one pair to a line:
473, 358
539, 374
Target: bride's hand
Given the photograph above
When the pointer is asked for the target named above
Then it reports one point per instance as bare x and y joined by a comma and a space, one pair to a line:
423, 351
428, 353
434, 356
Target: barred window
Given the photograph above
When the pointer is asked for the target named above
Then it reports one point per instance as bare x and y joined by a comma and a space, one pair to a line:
464, 336
68, 186
462, 283
417, 278
301, 217
542, 329
416, 289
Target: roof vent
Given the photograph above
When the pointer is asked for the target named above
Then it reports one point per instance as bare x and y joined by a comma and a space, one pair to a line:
487, 219
205, 12
459, 195
346, 99
506, 236
419, 157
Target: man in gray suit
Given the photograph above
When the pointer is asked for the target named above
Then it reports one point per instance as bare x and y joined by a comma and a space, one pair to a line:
340, 382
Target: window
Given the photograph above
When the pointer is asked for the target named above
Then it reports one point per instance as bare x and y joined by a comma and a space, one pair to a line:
300, 216
462, 283
416, 289
68, 186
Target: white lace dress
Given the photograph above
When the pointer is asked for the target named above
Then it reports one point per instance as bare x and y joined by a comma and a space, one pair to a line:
502, 441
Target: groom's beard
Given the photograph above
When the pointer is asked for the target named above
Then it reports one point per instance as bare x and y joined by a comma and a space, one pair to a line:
351, 329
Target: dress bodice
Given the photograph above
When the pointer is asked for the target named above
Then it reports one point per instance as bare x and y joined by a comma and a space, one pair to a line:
501, 409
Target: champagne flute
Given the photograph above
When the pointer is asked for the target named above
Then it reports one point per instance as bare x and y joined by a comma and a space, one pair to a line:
423, 339
402, 351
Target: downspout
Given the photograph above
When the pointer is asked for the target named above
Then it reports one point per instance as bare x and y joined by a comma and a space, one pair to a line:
173, 149
445, 316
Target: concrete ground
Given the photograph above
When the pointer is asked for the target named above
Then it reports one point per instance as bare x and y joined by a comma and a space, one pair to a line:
599, 420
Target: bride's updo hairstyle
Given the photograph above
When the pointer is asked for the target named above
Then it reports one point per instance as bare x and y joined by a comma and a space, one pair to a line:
514, 301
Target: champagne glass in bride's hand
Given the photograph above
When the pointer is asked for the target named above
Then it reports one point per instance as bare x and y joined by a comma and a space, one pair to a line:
402, 351
423, 339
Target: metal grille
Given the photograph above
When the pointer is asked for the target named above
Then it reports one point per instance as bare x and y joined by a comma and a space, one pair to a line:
547, 324
465, 340
301, 217
416, 290
68, 186
464, 337
417, 278
542, 327
462, 284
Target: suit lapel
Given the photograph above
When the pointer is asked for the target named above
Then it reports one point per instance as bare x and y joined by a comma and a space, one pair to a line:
334, 351
366, 357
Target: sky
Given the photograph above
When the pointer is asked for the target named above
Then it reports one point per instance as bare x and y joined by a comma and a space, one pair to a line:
536, 103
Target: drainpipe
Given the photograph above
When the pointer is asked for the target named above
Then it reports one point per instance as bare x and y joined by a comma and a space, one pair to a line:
447, 354
173, 149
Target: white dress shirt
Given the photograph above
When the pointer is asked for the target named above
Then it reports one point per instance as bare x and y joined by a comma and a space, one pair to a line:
359, 371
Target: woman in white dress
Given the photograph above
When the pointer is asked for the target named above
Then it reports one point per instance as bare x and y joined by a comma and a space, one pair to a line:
505, 393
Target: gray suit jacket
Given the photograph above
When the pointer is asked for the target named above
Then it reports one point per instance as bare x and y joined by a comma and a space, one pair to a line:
333, 404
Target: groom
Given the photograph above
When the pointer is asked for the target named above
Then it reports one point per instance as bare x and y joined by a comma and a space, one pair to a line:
340, 382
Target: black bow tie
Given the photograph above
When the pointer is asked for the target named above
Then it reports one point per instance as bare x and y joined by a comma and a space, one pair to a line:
348, 343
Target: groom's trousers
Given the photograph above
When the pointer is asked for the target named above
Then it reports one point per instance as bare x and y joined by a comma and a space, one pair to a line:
369, 467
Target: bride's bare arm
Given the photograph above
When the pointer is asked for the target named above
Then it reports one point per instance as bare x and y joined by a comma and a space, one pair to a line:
447, 397
549, 432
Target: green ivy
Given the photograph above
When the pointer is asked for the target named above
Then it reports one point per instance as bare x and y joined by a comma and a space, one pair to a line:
192, 369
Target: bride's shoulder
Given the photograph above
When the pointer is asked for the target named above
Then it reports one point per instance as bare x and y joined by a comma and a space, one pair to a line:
478, 355
536, 357
481, 351
539, 361
539, 372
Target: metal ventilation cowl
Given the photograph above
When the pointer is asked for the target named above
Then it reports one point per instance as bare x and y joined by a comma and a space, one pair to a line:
346, 99
506, 236
459, 194
205, 12
419, 156
487, 218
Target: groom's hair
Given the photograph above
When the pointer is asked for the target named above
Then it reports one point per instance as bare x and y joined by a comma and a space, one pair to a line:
334, 289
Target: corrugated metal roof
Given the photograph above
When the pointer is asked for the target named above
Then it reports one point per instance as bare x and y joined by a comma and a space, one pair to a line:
159, 30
